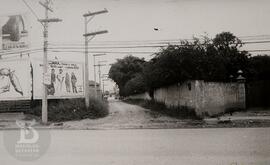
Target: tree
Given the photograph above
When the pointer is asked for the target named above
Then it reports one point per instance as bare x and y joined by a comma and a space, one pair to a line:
208, 59
135, 85
124, 70
172, 65
228, 46
259, 68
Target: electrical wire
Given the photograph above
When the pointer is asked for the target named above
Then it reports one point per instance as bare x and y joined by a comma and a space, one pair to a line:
30, 8
140, 45
114, 47
73, 48
115, 52
259, 50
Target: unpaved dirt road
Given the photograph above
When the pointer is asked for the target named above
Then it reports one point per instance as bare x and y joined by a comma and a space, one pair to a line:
124, 116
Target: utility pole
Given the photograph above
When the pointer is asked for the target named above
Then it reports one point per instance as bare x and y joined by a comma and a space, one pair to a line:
99, 75
102, 85
103, 81
86, 35
95, 55
99, 72
45, 22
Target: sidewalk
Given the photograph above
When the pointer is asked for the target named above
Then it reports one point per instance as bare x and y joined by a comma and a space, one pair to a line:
250, 116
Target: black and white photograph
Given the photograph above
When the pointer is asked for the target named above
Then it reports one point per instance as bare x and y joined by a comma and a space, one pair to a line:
134, 82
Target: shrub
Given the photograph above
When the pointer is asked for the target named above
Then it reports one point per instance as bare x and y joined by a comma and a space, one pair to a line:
71, 109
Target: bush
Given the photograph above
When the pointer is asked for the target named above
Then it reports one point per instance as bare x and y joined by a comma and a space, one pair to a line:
71, 109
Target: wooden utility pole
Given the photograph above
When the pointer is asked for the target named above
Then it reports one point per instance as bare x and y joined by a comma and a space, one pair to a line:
95, 77
99, 73
45, 23
103, 82
87, 39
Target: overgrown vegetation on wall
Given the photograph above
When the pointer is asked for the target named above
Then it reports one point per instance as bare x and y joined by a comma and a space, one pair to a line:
218, 59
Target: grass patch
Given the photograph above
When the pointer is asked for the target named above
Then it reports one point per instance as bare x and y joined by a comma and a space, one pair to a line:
71, 109
182, 112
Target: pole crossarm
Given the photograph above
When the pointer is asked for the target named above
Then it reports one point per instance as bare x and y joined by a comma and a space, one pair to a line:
104, 61
95, 13
50, 20
101, 54
95, 33
101, 65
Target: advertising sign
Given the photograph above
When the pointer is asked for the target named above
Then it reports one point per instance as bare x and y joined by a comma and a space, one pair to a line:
14, 32
66, 79
15, 80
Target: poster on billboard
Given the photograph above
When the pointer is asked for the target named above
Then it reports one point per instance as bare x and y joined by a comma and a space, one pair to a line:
15, 80
14, 31
66, 79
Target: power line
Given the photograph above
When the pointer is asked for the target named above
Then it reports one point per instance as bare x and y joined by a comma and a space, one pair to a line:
259, 50
144, 46
21, 52
112, 47
74, 49
171, 40
255, 36
30, 8
153, 44
256, 42
31, 51
111, 44
115, 52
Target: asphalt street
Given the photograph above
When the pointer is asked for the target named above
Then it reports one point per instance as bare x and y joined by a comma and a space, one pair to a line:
222, 146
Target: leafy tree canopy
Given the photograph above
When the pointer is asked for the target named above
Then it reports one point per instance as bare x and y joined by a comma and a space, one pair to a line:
218, 59
125, 69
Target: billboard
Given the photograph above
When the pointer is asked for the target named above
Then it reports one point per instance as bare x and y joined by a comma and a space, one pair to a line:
66, 79
15, 80
14, 32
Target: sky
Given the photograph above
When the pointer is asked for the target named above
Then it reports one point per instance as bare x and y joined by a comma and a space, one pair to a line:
133, 22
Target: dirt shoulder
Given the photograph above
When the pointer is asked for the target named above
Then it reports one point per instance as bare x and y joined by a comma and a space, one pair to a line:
128, 116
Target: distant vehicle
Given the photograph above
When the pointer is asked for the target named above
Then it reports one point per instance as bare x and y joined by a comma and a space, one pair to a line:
105, 97
117, 97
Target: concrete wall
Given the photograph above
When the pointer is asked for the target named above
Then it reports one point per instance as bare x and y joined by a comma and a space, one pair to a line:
215, 98
92, 92
176, 95
207, 98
